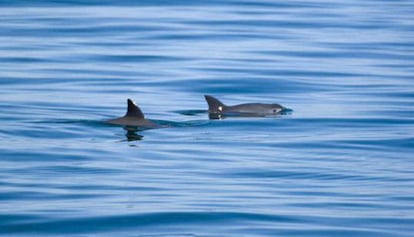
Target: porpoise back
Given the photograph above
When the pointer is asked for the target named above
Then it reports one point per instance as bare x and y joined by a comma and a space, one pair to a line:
133, 117
215, 106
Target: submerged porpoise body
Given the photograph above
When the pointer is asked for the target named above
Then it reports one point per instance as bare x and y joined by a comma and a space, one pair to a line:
216, 107
133, 117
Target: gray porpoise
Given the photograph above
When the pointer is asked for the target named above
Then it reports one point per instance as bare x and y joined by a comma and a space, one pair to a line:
133, 117
216, 107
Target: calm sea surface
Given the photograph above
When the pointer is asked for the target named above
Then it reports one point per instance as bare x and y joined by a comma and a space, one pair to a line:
340, 164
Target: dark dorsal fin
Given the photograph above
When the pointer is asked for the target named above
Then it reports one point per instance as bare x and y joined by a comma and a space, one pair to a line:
133, 110
214, 105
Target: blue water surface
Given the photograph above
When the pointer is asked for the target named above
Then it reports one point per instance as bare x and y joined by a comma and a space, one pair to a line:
340, 164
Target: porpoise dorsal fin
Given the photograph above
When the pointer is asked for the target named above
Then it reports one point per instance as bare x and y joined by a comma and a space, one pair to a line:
134, 110
214, 105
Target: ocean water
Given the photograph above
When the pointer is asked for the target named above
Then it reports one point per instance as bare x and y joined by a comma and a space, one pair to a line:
341, 163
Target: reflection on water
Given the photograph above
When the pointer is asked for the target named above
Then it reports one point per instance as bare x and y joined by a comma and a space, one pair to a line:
132, 135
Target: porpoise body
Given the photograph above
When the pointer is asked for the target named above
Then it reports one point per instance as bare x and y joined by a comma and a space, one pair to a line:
134, 117
216, 107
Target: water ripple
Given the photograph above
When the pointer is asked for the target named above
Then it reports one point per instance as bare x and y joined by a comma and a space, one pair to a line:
339, 164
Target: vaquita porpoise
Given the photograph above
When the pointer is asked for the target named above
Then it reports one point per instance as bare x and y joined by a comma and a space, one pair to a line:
134, 117
217, 108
